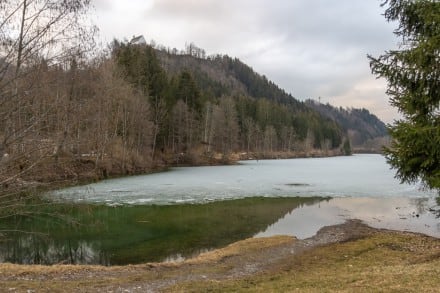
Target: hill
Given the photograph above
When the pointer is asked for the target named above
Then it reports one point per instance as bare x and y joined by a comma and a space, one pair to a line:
141, 108
221, 75
232, 108
366, 132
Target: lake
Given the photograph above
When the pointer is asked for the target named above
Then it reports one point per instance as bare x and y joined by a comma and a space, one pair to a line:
353, 176
180, 213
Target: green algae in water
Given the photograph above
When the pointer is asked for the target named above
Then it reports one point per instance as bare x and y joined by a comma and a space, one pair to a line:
100, 234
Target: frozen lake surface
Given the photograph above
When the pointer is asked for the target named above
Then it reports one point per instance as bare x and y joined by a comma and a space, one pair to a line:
178, 214
354, 176
360, 186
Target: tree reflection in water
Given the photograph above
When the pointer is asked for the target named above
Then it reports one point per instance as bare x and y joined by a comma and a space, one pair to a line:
99, 234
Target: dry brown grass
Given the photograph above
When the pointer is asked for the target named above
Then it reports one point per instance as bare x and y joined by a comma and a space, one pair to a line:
384, 262
243, 247
380, 262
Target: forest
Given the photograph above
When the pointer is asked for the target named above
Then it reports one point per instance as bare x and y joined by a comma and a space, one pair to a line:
125, 113
72, 112
366, 132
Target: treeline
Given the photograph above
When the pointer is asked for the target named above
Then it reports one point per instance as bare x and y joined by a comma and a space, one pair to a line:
200, 111
76, 118
128, 111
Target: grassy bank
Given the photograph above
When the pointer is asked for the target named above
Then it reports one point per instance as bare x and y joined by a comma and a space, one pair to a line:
388, 262
348, 258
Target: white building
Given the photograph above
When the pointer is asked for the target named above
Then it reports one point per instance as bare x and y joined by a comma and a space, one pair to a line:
140, 40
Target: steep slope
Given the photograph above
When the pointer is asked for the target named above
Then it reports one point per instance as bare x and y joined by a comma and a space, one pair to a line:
365, 130
208, 105
268, 119
221, 75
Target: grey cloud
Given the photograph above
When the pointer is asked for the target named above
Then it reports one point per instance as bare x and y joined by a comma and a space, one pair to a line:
192, 8
351, 22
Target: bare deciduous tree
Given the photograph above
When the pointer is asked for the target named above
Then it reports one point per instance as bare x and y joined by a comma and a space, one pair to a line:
34, 35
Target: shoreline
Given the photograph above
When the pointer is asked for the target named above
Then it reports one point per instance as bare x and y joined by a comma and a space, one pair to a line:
413, 215
81, 173
250, 259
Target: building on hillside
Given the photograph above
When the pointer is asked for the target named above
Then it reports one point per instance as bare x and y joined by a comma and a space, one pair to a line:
140, 40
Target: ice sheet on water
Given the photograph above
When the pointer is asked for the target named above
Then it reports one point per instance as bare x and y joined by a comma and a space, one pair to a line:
359, 175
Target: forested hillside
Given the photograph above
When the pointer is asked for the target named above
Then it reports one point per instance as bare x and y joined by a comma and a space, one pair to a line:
366, 132
216, 106
137, 108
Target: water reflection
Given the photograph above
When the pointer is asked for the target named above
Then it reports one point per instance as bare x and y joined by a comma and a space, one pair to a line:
404, 214
99, 234
32, 249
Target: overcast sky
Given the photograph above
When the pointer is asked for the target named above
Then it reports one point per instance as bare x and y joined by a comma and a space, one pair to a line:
310, 48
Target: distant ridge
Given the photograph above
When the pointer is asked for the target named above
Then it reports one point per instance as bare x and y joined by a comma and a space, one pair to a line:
220, 75
365, 130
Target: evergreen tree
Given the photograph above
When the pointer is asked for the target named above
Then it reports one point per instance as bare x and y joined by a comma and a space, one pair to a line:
188, 92
413, 75
141, 68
